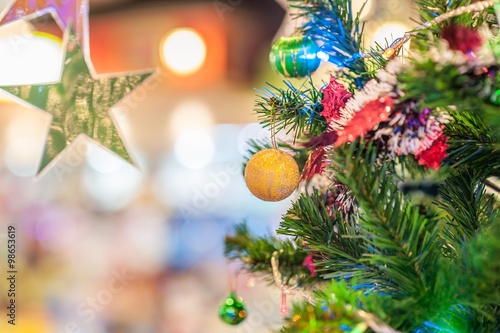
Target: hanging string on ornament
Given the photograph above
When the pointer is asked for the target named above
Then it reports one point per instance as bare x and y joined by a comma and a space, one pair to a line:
272, 174
273, 129
232, 310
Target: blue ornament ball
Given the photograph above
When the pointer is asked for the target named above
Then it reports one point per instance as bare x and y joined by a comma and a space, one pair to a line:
295, 56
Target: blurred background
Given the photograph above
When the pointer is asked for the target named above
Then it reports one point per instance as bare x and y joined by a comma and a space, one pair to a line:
107, 247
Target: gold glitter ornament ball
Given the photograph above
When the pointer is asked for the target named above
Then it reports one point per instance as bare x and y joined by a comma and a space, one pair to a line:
272, 175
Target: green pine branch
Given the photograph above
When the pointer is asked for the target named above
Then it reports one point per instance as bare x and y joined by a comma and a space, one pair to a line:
468, 208
472, 144
476, 272
338, 309
430, 9
256, 253
437, 85
424, 285
332, 238
402, 240
440, 85
294, 110
482, 267
464, 298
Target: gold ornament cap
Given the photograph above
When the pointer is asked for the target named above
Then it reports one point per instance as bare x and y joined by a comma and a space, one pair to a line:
272, 175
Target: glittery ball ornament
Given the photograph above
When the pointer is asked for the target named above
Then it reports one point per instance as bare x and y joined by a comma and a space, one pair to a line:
232, 311
272, 175
294, 56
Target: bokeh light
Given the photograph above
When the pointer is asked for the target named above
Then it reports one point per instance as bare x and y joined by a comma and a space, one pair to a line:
191, 114
21, 156
24, 141
29, 58
388, 33
191, 127
195, 149
357, 4
104, 161
184, 51
115, 190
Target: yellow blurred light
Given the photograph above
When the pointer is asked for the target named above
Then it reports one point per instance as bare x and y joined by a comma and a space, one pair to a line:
184, 51
387, 33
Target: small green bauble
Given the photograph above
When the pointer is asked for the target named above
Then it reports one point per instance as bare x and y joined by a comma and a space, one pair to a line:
232, 311
294, 56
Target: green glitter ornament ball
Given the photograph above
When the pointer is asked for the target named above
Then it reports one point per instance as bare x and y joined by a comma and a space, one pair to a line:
295, 56
232, 311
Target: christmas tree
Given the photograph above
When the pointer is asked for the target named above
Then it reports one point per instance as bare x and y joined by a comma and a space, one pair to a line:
397, 226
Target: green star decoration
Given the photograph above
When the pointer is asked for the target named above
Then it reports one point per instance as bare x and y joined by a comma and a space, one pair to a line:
78, 103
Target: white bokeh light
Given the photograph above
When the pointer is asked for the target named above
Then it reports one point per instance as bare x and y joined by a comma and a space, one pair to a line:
184, 51
357, 4
195, 149
190, 115
24, 138
388, 33
29, 58
21, 156
115, 190
104, 161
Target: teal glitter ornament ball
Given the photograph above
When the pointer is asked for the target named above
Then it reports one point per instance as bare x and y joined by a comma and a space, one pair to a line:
232, 311
295, 56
